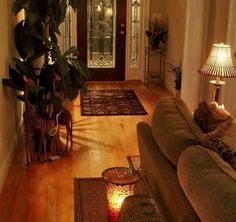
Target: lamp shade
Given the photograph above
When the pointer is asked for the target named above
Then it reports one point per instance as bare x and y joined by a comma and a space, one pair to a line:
219, 63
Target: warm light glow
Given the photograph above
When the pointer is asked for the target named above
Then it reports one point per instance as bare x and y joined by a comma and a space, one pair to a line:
120, 184
219, 62
115, 196
109, 11
99, 8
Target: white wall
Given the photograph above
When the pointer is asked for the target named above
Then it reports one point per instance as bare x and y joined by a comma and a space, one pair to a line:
229, 95
174, 14
193, 47
9, 114
216, 20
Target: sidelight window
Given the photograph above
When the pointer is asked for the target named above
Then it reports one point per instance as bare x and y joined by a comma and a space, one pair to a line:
135, 33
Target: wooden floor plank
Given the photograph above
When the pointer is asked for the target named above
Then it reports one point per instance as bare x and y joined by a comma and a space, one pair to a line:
44, 191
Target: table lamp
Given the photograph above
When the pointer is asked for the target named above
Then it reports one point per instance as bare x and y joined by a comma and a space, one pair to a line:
219, 64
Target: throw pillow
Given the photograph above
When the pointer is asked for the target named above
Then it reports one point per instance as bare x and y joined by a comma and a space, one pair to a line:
209, 116
223, 141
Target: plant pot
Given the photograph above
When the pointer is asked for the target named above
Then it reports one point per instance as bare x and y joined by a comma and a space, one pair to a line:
155, 45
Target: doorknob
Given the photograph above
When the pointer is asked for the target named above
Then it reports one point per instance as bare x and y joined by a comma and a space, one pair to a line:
122, 32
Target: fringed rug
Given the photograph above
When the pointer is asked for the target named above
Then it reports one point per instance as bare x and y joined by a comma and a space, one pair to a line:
90, 199
111, 102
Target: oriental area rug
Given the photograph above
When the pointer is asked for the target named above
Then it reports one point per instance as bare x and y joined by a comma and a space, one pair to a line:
111, 102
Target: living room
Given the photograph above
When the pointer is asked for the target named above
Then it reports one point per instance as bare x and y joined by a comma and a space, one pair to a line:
44, 191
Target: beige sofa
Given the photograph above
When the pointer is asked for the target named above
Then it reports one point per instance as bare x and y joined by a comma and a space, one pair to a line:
191, 182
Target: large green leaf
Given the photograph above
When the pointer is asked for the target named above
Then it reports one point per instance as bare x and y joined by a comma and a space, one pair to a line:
22, 39
78, 81
31, 15
25, 40
12, 84
62, 7
46, 78
25, 68
71, 50
82, 69
73, 4
16, 77
53, 36
62, 65
41, 51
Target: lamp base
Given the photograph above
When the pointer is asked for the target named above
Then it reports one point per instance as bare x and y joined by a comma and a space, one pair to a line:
217, 85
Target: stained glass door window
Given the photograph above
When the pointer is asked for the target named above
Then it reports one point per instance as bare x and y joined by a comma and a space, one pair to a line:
135, 33
67, 37
101, 33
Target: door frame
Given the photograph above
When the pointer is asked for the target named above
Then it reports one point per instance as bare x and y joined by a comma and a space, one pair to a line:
136, 73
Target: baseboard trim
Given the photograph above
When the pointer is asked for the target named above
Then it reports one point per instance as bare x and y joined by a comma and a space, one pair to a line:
7, 164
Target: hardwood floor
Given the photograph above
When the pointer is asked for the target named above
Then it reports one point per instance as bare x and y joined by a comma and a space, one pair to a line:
43, 192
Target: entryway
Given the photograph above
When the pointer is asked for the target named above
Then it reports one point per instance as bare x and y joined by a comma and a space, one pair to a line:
101, 37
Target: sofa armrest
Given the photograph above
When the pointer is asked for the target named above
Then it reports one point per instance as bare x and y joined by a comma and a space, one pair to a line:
210, 190
161, 177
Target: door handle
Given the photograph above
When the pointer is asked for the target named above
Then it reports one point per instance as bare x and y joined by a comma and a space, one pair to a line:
122, 32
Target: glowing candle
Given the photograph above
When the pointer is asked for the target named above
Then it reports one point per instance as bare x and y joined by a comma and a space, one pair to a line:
120, 184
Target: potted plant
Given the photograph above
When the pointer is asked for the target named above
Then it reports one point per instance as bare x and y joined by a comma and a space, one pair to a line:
156, 34
177, 70
36, 37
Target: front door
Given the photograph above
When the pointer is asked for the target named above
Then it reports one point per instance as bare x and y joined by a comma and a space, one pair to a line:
101, 33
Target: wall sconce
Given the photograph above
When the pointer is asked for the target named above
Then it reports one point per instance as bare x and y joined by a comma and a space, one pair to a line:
120, 184
219, 64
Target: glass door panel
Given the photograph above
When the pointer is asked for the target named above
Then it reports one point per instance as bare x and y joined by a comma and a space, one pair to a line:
135, 33
101, 33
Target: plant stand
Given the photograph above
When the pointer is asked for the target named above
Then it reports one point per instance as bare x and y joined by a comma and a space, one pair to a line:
149, 75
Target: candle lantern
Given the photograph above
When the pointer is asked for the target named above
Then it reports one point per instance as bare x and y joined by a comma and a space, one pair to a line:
120, 184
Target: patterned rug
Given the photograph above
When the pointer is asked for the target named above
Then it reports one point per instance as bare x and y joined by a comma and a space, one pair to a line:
90, 203
110, 102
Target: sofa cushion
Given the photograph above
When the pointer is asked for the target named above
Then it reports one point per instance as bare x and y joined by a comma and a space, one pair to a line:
161, 177
209, 115
211, 191
173, 127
